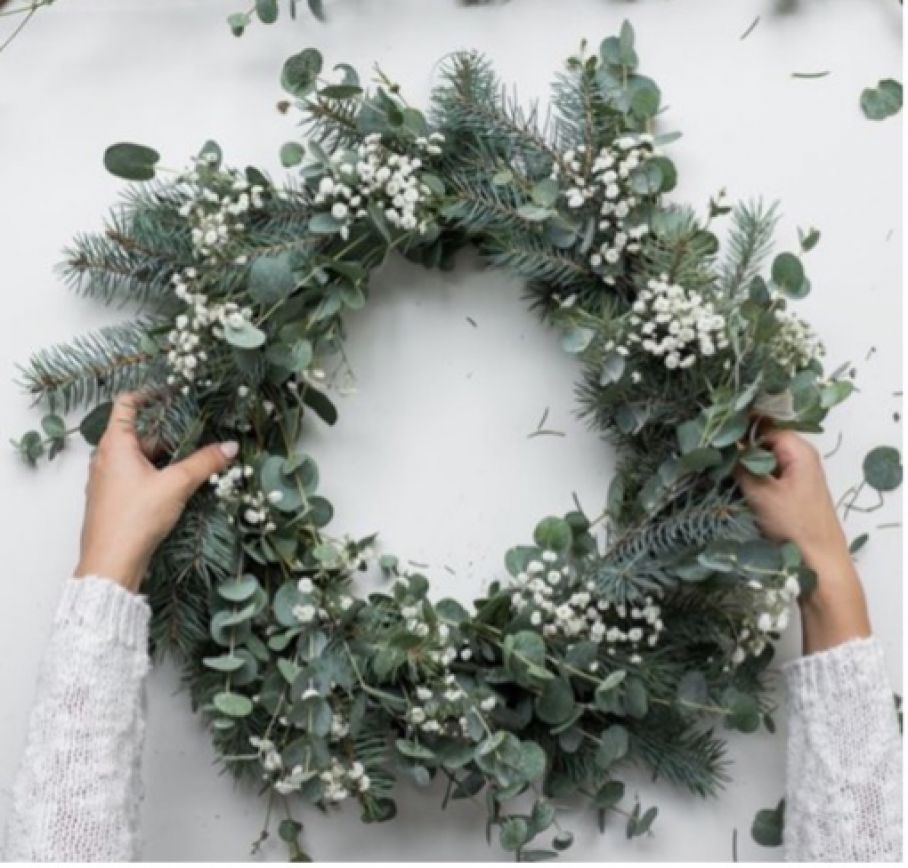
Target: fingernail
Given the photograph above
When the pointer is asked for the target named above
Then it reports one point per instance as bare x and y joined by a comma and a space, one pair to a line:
230, 448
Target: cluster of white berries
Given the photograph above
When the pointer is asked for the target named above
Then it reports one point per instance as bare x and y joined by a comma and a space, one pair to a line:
442, 647
269, 758
193, 328
604, 179
674, 324
560, 604
795, 344
775, 605
216, 217
340, 781
231, 489
446, 708
375, 174
315, 607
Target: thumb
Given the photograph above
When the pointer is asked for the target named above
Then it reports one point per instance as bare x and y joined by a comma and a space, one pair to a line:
195, 469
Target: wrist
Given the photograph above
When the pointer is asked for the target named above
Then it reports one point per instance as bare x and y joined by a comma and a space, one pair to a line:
122, 571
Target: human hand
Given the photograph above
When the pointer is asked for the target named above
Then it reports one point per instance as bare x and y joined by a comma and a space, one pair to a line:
131, 505
795, 505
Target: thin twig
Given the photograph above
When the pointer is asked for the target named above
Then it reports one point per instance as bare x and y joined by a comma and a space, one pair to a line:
751, 28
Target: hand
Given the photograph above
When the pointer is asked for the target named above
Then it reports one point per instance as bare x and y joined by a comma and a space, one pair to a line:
795, 504
131, 505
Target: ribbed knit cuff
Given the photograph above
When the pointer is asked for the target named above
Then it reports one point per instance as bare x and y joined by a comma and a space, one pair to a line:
106, 608
854, 671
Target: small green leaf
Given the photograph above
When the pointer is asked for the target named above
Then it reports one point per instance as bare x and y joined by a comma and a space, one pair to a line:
239, 589
534, 213
556, 703
553, 533
266, 10
612, 746
858, 543
609, 794
768, 825
883, 468
53, 426
301, 71
514, 833
271, 279
613, 366
93, 426
130, 161
324, 223
883, 101
808, 239
238, 22
292, 154
576, 340
760, 462
788, 275
224, 663
244, 336
233, 704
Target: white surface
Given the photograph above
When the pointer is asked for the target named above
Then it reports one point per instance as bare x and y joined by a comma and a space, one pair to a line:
433, 449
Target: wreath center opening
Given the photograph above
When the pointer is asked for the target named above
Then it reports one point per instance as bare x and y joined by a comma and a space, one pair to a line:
457, 425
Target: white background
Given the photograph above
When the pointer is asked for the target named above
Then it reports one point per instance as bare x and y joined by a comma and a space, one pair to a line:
433, 448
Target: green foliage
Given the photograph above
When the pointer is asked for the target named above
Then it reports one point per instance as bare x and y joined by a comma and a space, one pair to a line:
883, 468
768, 825
589, 658
882, 101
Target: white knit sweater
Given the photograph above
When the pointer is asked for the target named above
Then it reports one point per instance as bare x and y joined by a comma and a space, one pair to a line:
77, 793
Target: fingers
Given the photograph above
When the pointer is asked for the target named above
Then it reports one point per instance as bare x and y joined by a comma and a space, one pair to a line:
121, 427
753, 486
187, 475
790, 449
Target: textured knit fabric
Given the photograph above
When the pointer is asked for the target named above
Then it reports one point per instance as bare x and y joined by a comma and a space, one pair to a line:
844, 757
76, 796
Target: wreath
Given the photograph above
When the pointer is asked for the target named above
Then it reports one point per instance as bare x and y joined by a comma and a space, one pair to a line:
631, 638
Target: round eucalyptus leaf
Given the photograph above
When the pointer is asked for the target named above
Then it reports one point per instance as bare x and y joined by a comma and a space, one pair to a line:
514, 833
613, 745
130, 161
883, 468
266, 10
244, 336
233, 704
556, 703
788, 274
292, 154
300, 72
553, 533
271, 278
239, 589
883, 101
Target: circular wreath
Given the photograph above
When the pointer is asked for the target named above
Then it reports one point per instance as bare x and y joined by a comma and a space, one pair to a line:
624, 639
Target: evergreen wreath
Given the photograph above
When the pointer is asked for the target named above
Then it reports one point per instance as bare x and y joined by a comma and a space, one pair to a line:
625, 639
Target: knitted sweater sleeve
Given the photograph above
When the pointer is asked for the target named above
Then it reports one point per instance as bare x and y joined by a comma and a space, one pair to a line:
76, 795
844, 760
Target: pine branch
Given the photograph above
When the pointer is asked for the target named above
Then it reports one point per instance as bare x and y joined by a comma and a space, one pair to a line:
695, 523
200, 552
581, 112
472, 105
91, 368
748, 245
332, 123
690, 758
478, 206
143, 244
679, 248
535, 260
